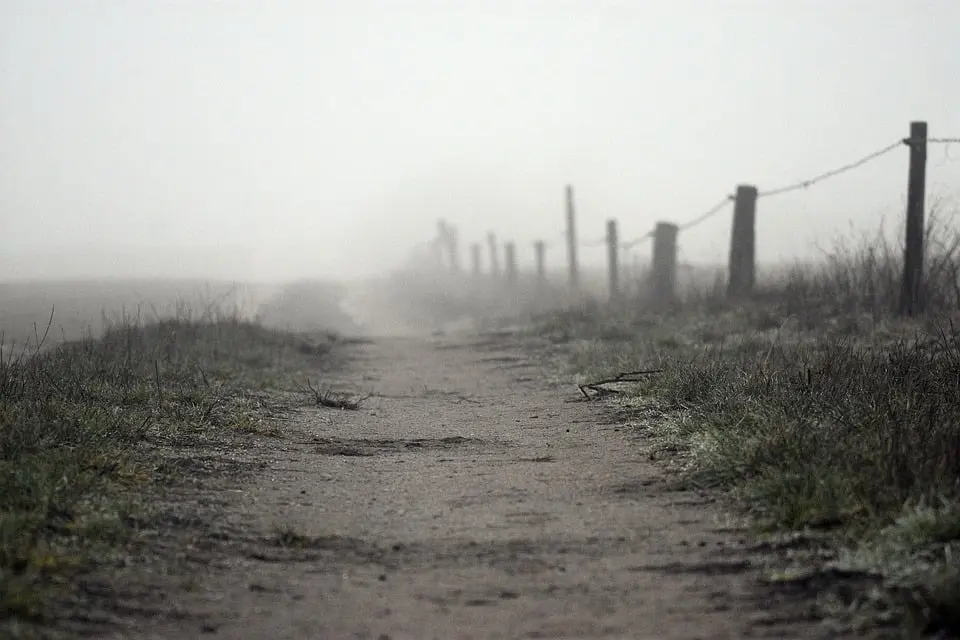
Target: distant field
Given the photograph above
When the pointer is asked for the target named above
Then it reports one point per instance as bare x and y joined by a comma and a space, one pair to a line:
404, 303
84, 307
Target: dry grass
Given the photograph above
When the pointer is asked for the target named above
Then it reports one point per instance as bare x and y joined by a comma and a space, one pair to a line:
86, 429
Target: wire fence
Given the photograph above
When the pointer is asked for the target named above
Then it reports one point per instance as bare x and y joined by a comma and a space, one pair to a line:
801, 184
722, 204
806, 184
712, 211
563, 238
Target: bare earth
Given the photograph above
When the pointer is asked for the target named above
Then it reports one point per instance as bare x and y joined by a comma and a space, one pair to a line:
470, 498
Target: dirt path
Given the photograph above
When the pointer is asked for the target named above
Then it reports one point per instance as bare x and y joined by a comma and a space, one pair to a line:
470, 499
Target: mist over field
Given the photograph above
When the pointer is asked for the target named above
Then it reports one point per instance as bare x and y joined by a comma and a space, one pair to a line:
293, 340
269, 143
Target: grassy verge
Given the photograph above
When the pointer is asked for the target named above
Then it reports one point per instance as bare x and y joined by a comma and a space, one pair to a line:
86, 435
819, 413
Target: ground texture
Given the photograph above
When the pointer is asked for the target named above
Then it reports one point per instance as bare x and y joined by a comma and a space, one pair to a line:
473, 496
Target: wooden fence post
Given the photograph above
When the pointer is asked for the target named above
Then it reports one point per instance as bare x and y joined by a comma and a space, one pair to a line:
440, 242
475, 257
572, 241
613, 262
510, 258
912, 295
665, 261
540, 247
742, 268
494, 260
453, 248
436, 252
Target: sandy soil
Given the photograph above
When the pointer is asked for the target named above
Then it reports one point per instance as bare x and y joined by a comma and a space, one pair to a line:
470, 498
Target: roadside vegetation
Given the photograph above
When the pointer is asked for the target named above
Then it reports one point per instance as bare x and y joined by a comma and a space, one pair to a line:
833, 424
97, 434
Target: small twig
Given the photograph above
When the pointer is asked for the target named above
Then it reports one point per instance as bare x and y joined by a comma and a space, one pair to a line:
340, 402
156, 370
327, 399
203, 375
41, 341
626, 376
210, 409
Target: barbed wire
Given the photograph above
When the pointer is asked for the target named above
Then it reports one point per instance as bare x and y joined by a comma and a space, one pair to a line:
626, 246
804, 184
947, 158
710, 213
554, 240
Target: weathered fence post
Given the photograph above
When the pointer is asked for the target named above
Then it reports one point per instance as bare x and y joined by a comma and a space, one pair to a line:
494, 260
613, 262
436, 252
475, 257
912, 295
572, 241
742, 269
440, 242
454, 248
510, 259
636, 271
665, 261
540, 248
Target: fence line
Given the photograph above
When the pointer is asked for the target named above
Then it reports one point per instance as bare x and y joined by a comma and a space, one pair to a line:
594, 243
742, 251
714, 210
804, 184
626, 246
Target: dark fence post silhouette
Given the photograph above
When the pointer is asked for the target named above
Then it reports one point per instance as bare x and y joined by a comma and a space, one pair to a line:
742, 268
494, 259
453, 247
912, 295
436, 252
440, 245
572, 241
510, 259
540, 248
665, 261
613, 262
475, 258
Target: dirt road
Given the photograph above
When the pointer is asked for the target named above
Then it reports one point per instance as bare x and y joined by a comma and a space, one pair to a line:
470, 498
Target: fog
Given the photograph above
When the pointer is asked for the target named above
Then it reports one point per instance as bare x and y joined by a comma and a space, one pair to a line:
277, 140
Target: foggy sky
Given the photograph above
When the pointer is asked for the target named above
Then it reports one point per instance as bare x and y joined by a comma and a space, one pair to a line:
271, 140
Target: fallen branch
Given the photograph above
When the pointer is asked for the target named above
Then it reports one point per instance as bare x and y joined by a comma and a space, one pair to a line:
626, 376
328, 399
340, 402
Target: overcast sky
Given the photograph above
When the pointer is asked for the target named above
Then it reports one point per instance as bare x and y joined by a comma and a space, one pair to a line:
280, 139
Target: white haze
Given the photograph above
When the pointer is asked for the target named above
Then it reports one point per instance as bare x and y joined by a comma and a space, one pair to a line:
276, 140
